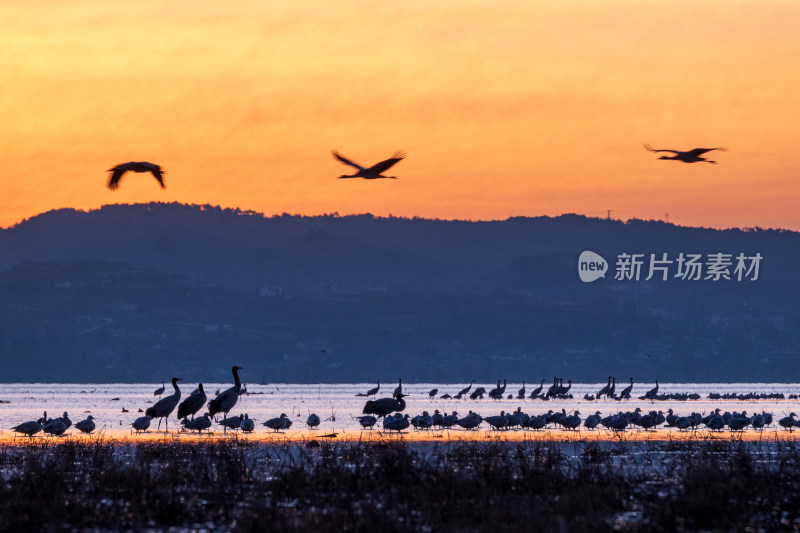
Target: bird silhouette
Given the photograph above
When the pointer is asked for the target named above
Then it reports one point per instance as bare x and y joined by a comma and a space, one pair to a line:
465, 390
689, 156
649, 395
397, 423
135, 166
141, 423
87, 425
232, 422
29, 428
626, 392
371, 173
537, 391
164, 407
279, 423
228, 398
384, 406
247, 424
366, 421
159, 391
313, 420
198, 424
371, 392
192, 404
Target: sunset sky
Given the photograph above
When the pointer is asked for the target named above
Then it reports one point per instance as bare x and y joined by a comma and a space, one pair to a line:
505, 108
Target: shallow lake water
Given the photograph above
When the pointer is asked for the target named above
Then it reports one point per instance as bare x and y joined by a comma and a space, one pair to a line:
116, 405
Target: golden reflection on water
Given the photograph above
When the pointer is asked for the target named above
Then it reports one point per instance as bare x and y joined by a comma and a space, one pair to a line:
302, 437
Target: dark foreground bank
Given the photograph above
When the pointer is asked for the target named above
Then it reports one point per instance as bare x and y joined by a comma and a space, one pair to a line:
398, 487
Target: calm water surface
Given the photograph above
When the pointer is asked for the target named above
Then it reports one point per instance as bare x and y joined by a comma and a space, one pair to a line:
337, 404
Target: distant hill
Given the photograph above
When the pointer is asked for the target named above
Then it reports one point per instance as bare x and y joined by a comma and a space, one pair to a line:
144, 292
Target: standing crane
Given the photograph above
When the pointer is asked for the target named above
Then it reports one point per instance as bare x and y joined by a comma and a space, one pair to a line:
164, 407
225, 401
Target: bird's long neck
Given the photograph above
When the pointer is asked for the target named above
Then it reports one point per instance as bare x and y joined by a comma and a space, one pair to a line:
236, 382
177, 394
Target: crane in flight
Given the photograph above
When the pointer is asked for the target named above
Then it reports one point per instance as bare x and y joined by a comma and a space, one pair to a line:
134, 166
372, 173
689, 156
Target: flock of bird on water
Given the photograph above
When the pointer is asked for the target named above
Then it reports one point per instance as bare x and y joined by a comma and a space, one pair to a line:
376, 171
390, 411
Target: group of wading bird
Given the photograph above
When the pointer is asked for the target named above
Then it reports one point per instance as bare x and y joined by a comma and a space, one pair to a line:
376, 171
620, 421
390, 411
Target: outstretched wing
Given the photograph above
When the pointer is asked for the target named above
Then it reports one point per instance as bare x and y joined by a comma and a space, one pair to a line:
159, 175
346, 161
650, 148
701, 151
386, 165
118, 171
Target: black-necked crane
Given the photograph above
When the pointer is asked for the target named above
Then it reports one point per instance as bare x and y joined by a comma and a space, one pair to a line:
384, 406
689, 156
465, 390
191, 405
29, 428
605, 390
626, 392
399, 388
497, 393
649, 395
225, 401
164, 407
159, 391
537, 391
370, 173
135, 166
371, 392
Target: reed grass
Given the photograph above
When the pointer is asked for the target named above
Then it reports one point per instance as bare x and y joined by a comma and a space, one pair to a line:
357, 486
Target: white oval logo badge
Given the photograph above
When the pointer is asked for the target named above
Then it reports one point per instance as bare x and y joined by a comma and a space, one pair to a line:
591, 266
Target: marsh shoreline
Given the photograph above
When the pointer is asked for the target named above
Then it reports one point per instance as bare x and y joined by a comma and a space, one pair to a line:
238, 485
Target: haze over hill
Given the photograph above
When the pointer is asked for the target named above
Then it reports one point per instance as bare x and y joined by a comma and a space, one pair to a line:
144, 292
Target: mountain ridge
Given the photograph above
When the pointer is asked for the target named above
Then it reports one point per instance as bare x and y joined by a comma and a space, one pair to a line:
137, 292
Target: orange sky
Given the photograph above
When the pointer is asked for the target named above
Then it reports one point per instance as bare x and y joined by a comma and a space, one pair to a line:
505, 108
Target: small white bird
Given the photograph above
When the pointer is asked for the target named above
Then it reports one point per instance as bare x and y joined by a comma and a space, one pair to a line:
690, 156
374, 172
135, 166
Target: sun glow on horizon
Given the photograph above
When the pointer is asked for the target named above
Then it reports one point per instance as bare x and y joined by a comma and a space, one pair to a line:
508, 109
